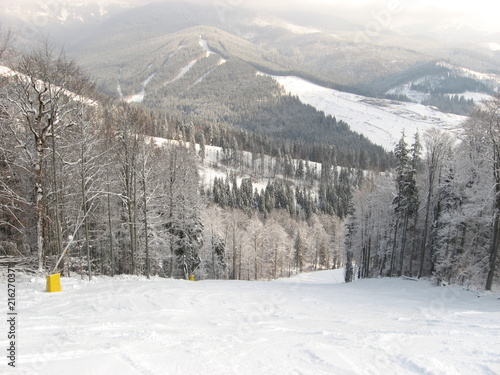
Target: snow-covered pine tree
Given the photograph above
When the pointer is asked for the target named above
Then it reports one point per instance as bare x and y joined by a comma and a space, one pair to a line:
482, 134
438, 147
405, 202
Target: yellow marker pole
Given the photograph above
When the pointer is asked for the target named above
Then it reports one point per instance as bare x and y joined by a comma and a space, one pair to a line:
53, 283
54, 280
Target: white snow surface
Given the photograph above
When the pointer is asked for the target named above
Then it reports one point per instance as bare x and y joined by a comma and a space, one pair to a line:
293, 28
309, 324
8, 72
204, 44
380, 120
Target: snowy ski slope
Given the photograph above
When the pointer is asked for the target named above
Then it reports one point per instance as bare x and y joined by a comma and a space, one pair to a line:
380, 120
311, 324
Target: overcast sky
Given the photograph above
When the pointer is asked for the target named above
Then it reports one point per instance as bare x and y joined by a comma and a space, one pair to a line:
482, 13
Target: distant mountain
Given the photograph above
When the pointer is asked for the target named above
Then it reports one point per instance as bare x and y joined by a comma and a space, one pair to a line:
200, 62
327, 48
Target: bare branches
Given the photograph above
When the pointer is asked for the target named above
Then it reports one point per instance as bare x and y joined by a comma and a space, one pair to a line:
6, 40
44, 92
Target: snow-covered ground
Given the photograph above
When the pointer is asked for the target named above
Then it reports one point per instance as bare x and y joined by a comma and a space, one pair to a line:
309, 324
380, 120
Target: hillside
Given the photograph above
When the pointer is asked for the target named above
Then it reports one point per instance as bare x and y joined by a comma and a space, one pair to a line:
204, 75
328, 48
152, 53
311, 324
380, 120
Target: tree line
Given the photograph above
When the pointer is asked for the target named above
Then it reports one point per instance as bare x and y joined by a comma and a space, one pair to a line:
103, 180
79, 172
234, 95
438, 216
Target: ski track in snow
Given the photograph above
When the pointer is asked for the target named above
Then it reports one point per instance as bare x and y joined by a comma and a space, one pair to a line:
139, 97
308, 324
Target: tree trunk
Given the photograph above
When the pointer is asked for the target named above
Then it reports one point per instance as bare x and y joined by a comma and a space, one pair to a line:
414, 238
39, 202
275, 270
234, 250
85, 210
493, 253
110, 229
403, 245
56, 195
213, 256
393, 253
496, 223
423, 246
134, 220
145, 213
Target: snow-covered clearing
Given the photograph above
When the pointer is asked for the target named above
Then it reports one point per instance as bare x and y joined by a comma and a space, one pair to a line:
212, 166
204, 44
296, 29
478, 97
139, 97
380, 120
309, 324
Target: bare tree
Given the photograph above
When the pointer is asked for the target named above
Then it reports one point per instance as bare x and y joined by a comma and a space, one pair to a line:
42, 95
88, 154
129, 120
6, 39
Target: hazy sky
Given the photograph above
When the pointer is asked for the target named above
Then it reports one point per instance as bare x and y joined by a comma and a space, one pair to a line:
482, 13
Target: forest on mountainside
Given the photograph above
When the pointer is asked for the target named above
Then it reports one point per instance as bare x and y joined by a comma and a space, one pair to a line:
101, 180
118, 186
233, 93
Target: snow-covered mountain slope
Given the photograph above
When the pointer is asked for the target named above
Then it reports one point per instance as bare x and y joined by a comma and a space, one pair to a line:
212, 167
56, 90
470, 73
380, 120
311, 324
139, 97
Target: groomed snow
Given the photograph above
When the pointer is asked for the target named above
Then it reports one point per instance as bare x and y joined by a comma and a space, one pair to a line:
310, 324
